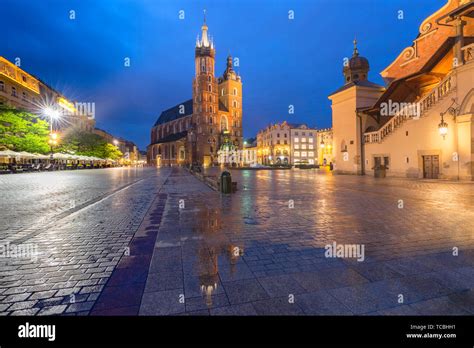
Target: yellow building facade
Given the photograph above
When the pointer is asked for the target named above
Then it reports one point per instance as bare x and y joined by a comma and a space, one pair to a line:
421, 123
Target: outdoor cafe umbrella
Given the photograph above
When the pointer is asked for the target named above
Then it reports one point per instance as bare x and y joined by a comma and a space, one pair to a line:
9, 153
40, 156
61, 156
24, 154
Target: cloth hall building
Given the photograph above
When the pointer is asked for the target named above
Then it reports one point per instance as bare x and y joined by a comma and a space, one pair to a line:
421, 124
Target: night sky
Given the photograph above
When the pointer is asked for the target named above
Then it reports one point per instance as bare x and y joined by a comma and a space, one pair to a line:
282, 61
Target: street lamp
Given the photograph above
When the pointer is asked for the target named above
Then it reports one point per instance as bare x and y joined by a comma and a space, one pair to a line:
53, 141
443, 127
53, 114
453, 110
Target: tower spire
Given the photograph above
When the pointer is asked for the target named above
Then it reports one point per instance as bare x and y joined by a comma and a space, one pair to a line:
356, 51
205, 42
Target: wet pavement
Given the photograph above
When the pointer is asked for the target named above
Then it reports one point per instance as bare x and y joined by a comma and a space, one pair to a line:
160, 242
261, 251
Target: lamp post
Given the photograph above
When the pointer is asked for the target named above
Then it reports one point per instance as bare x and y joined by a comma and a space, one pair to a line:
53, 141
52, 114
453, 110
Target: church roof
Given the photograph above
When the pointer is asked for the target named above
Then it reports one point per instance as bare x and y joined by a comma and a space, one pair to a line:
171, 138
357, 83
173, 113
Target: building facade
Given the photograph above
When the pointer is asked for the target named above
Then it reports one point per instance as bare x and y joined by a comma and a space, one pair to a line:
128, 148
193, 131
21, 90
324, 142
287, 144
421, 123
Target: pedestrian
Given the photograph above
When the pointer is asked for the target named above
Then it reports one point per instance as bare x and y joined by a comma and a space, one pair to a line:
331, 166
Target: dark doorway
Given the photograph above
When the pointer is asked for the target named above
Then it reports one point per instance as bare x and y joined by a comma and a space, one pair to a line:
430, 167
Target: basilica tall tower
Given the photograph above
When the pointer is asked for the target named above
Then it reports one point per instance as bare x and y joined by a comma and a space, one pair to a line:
217, 104
205, 98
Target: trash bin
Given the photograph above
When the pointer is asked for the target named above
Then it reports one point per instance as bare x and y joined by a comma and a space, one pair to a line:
226, 182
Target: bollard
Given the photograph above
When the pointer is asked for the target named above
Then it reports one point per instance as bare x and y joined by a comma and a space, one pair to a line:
226, 182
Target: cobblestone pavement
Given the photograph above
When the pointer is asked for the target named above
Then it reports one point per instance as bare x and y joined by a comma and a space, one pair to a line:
160, 242
261, 251
79, 223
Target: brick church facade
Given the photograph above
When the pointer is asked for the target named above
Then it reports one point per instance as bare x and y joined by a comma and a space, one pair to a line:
193, 131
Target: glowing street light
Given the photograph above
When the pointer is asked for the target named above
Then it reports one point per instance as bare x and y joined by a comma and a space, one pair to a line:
443, 127
53, 114
53, 141
116, 142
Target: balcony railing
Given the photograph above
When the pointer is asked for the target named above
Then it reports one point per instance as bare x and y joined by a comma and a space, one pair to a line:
468, 52
447, 85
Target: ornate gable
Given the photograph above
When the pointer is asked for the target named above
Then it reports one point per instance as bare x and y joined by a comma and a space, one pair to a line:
432, 35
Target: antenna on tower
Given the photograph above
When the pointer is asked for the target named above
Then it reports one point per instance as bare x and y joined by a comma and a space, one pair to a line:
204, 16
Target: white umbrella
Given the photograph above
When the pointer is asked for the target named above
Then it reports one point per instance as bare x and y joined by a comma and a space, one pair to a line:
40, 156
61, 156
24, 154
9, 153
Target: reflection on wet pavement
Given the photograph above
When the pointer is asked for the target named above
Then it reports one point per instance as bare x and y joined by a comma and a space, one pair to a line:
244, 254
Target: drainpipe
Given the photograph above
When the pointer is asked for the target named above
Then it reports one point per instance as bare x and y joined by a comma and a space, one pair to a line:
459, 35
362, 147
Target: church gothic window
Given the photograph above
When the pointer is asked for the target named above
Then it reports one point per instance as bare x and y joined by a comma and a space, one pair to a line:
224, 124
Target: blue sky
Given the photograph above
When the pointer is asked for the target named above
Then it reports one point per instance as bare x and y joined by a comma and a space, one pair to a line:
282, 61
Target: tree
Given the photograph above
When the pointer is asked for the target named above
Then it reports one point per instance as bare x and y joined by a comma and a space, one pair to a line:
23, 131
88, 144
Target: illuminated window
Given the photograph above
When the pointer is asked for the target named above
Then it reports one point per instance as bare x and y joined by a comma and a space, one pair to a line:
311, 154
296, 140
303, 140
224, 124
303, 146
297, 154
297, 146
303, 154
310, 147
310, 140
